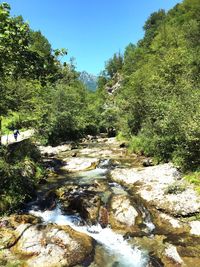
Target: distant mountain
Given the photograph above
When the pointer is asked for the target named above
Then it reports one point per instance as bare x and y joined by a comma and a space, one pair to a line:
89, 80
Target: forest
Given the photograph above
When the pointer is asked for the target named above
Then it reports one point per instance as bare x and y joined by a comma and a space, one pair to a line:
148, 95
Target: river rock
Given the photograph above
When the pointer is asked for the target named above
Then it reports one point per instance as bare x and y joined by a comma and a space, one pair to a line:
167, 224
103, 217
153, 184
52, 245
7, 238
97, 152
123, 216
188, 247
52, 151
8, 226
13, 221
47, 201
79, 164
161, 253
195, 228
171, 257
82, 199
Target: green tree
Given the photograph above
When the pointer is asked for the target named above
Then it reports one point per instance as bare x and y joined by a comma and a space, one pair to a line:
114, 65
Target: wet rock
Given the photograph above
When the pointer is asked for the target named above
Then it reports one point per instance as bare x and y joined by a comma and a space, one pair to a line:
51, 245
91, 137
52, 164
48, 201
123, 216
111, 132
106, 148
164, 253
153, 184
80, 164
74, 146
82, 199
103, 217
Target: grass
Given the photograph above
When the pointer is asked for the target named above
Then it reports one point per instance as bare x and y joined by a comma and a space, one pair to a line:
194, 178
121, 137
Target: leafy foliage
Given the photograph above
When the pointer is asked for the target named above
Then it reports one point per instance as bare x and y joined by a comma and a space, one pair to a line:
20, 170
157, 106
114, 65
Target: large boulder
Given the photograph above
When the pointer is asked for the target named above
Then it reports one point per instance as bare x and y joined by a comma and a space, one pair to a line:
82, 199
162, 187
52, 245
8, 225
25, 237
123, 215
79, 164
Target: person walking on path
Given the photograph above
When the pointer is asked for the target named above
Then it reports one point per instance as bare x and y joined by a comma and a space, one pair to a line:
16, 132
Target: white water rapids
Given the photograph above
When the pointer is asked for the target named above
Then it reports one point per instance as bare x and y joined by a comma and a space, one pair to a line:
114, 243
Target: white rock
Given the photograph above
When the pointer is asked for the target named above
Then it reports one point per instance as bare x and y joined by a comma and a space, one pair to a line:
154, 182
172, 253
49, 150
123, 211
174, 222
50, 246
80, 164
195, 228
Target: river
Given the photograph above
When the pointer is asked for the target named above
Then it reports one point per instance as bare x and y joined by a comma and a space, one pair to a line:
124, 227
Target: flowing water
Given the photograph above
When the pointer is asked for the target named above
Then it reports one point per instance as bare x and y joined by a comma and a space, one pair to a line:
115, 249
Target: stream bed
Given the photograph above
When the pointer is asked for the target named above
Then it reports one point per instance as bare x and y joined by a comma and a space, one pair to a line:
94, 211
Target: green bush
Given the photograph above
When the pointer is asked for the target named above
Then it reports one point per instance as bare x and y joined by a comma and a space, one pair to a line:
20, 171
17, 184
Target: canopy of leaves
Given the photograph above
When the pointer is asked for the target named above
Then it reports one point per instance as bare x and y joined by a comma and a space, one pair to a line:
158, 102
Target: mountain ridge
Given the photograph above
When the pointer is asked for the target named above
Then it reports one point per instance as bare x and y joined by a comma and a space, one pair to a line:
89, 80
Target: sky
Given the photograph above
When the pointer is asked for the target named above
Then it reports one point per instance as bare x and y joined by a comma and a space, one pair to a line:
91, 30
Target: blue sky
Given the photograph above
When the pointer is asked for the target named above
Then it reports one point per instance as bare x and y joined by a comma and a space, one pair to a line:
91, 30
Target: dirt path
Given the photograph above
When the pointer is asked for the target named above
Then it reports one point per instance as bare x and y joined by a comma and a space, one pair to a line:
9, 139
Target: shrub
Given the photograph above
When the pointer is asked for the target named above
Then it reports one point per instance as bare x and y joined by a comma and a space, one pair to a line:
20, 171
